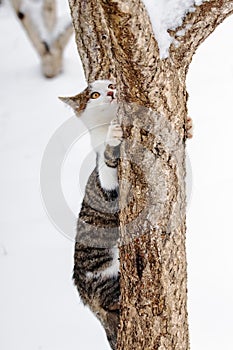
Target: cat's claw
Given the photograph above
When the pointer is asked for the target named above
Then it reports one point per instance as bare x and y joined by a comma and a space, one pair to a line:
114, 135
189, 127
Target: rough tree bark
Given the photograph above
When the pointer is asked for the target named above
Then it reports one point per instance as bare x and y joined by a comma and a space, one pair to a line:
115, 40
41, 28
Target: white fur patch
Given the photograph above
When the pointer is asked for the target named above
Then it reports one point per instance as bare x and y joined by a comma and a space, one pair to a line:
112, 270
101, 110
108, 176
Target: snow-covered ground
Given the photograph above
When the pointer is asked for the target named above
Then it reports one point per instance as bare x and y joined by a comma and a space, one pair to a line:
39, 307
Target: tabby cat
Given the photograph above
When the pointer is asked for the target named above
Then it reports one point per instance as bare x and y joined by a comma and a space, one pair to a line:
96, 261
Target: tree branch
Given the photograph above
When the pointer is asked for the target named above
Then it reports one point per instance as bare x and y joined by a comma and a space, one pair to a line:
29, 27
198, 26
49, 14
40, 25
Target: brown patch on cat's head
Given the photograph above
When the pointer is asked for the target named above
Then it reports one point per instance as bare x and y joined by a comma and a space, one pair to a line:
78, 102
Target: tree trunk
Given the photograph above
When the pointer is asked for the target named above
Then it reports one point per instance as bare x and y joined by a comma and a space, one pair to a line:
115, 40
51, 62
40, 25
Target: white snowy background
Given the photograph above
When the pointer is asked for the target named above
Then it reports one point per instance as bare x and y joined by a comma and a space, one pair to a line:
39, 306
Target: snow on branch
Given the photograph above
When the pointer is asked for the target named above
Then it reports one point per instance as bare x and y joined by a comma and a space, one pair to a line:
199, 25
37, 11
168, 15
185, 23
33, 9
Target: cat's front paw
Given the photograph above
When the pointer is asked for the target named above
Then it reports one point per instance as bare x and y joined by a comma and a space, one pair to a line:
189, 127
114, 135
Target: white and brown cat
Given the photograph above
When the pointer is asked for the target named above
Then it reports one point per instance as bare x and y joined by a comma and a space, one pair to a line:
96, 261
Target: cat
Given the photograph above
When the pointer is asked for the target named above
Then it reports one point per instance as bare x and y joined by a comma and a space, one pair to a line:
96, 257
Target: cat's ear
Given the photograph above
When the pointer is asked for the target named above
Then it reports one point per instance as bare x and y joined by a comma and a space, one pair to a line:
77, 102
71, 101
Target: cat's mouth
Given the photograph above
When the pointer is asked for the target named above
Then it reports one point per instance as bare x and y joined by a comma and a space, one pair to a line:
112, 100
111, 95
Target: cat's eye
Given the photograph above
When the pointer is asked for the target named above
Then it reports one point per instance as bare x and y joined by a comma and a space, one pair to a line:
112, 86
95, 95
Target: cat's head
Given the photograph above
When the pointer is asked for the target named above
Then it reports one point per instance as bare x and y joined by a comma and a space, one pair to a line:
100, 95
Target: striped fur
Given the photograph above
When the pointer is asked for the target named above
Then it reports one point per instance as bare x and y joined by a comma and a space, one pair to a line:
96, 267
96, 262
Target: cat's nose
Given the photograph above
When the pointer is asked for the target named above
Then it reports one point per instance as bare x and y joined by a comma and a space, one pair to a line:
110, 93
